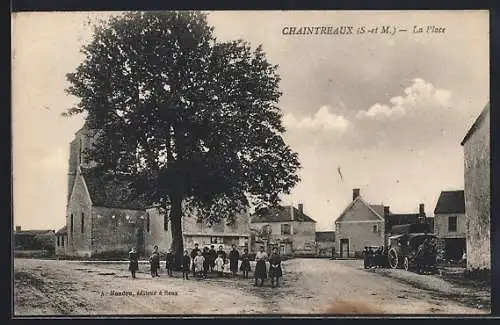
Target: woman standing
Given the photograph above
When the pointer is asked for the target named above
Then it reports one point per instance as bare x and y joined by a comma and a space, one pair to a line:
275, 271
133, 264
260, 266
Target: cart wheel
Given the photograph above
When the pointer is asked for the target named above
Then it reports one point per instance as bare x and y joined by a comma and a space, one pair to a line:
393, 258
406, 263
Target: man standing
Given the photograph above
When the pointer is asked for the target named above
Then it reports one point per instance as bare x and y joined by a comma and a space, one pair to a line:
234, 257
212, 256
194, 253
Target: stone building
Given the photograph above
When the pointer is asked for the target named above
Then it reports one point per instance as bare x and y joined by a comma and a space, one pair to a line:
325, 243
292, 230
360, 224
105, 218
476, 144
61, 241
450, 224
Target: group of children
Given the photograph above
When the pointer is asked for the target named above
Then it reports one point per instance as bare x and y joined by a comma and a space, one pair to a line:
200, 263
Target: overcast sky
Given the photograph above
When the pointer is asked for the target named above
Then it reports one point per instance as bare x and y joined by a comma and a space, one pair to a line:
388, 112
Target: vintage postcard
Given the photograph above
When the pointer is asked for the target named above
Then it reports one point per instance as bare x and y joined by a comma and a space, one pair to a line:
251, 163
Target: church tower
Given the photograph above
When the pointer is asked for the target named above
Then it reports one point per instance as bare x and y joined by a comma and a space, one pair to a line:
82, 141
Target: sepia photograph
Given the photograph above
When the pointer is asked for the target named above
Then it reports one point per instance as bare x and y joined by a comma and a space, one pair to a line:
194, 163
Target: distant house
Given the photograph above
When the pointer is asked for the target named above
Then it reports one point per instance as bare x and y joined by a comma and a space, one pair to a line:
291, 229
360, 224
41, 241
477, 162
394, 220
450, 224
325, 243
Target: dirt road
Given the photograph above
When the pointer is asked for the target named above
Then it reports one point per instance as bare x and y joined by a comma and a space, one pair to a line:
49, 287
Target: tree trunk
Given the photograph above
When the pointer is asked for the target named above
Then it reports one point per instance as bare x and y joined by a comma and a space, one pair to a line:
176, 229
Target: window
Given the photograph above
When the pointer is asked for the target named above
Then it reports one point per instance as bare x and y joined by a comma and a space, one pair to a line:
62, 241
71, 222
199, 219
58, 241
452, 224
285, 229
147, 223
83, 222
375, 228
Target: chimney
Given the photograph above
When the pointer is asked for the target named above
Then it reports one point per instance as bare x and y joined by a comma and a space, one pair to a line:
421, 212
355, 193
291, 212
386, 211
18, 228
386, 219
301, 207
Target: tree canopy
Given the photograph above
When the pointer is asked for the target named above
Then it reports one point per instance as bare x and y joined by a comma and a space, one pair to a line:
193, 120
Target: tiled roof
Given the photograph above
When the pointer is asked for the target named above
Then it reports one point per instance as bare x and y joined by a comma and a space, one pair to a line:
325, 236
112, 192
34, 232
450, 202
402, 218
281, 213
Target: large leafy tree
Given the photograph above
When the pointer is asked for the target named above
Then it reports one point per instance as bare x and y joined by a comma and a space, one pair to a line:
193, 121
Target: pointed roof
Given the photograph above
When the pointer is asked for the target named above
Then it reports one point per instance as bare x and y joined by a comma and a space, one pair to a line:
377, 210
477, 123
280, 214
450, 202
62, 231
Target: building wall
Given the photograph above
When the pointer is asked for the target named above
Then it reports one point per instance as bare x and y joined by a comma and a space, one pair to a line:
116, 231
325, 248
303, 234
441, 226
199, 232
79, 243
357, 226
477, 197
157, 235
360, 234
61, 245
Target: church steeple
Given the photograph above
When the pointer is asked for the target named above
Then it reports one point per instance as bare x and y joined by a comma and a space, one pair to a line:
83, 139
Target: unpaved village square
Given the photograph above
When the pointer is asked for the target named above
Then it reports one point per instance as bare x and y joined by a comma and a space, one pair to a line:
310, 286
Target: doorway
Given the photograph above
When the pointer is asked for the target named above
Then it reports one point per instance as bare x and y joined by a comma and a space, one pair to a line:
344, 247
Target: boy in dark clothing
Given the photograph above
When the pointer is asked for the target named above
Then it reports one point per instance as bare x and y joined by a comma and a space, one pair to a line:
245, 263
206, 262
234, 257
186, 261
212, 256
169, 262
221, 252
194, 253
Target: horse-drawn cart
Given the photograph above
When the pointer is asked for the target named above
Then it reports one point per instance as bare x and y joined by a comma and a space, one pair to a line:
413, 250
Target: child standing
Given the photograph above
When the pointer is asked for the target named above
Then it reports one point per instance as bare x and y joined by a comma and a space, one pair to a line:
275, 272
186, 261
245, 263
169, 262
133, 264
198, 264
219, 265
